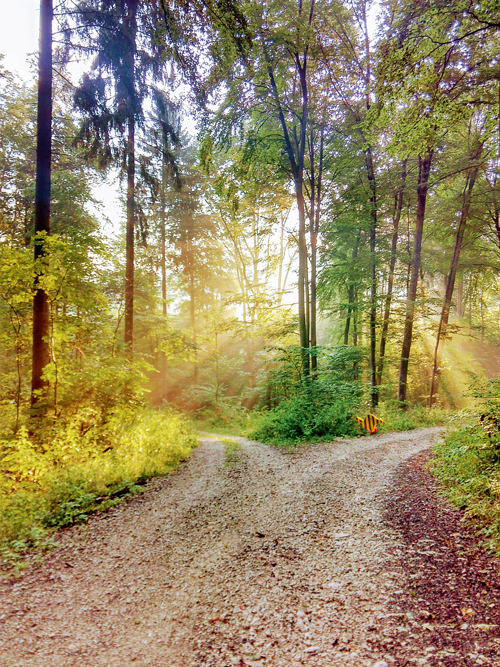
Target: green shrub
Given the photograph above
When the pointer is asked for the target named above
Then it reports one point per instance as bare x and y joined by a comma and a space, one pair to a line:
44, 488
467, 460
312, 407
470, 476
302, 418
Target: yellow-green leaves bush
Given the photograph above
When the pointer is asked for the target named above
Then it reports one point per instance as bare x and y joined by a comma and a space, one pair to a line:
52, 483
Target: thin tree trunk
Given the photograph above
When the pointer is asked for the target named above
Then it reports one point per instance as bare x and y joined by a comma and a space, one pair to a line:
424, 168
192, 312
163, 374
373, 277
41, 315
398, 207
216, 369
350, 300
129, 266
355, 367
450, 282
304, 342
316, 193
308, 307
355, 339
481, 303
370, 172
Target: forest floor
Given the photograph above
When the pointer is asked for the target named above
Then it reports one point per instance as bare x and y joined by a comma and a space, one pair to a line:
338, 554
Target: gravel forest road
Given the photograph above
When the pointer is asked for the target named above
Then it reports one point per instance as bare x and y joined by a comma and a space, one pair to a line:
336, 554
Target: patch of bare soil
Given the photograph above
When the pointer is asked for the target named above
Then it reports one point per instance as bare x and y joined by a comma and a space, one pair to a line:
451, 605
275, 558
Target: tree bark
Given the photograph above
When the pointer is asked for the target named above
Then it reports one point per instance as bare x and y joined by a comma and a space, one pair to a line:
129, 81
450, 282
398, 207
296, 160
424, 168
163, 372
299, 189
129, 266
192, 309
41, 314
373, 275
370, 172
303, 337
314, 219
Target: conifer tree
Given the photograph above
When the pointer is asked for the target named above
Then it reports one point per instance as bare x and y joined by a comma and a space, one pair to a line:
125, 37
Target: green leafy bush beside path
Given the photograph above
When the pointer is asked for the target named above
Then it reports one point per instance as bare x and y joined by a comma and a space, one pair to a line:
467, 461
320, 406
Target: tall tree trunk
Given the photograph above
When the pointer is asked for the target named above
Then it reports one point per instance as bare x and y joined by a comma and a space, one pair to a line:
296, 159
192, 311
424, 168
129, 266
129, 59
316, 195
450, 282
308, 307
163, 372
41, 314
398, 207
372, 183
304, 341
373, 276
355, 338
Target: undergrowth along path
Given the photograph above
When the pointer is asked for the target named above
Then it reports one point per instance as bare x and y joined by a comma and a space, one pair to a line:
251, 555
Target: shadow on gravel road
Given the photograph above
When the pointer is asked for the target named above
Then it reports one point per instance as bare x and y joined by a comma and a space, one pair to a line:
453, 606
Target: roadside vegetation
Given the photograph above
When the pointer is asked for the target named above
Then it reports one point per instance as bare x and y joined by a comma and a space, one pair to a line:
44, 488
467, 461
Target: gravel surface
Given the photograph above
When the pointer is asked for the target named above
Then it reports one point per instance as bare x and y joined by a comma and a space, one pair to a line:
271, 558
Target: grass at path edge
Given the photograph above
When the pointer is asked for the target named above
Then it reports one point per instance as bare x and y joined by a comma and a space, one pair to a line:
54, 493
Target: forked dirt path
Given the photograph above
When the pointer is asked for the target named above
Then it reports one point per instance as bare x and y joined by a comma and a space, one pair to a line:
274, 559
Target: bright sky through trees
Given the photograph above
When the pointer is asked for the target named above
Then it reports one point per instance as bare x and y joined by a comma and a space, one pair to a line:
19, 35
19, 30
